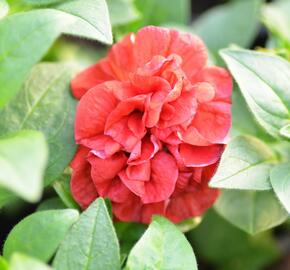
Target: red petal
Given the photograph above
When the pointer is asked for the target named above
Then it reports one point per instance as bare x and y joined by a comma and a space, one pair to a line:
82, 186
200, 156
92, 112
91, 77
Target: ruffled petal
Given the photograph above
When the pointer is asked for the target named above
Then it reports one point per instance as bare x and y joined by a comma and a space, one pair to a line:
93, 111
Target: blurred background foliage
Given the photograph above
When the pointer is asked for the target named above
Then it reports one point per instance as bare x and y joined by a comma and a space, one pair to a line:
252, 24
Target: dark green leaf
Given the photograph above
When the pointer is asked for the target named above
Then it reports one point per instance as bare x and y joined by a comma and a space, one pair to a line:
251, 211
45, 104
226, 24
245, 164
264, 81
91, 244
40, 234
62, 188
162, 246
35, 31
22, 173
5, 197
23, 262
280, 180
51, 204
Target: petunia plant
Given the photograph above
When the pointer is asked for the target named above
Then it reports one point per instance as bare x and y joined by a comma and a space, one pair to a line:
125, 124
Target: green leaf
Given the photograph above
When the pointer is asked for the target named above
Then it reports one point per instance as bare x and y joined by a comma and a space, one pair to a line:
245, 164
46, 104
91, 244
62, 188
251, 211
4, 8
3, 264
122, 11
35, 31
160, 12
23, 262
5, 197
21, 172
51, 204
264, 81
43, 2
162, 246
276, 17
280, 180
241, 251
40, 234
285, 131
226, 24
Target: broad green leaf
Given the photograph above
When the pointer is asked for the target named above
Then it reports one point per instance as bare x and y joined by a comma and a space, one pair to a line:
280, 180
35, 31
62, 188
241, 251
4, 8
23, 158
43, 2
45, 103
5, 197
160, 12
226, 24
251, 211
264, 81
91, 244
122, 11
51, 204
40, 234
162, 246
245, 164
3, 264
277, 19
23, 262
285, 131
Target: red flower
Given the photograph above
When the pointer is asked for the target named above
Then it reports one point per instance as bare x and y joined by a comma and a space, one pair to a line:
151, 124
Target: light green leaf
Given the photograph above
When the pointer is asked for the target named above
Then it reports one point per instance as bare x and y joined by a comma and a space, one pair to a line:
160, 12
3, 264
45, 103
91, 244
43, 2
251, 211
245, 164
162, 246
4, 8
40, 234
62, 188
226, 24
280, 180
122, 11
285, 131
51, 204
35, 31
277, 19
264, 81
23, 157
23, 262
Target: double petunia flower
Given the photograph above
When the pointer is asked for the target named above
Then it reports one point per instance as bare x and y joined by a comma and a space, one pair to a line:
151, 125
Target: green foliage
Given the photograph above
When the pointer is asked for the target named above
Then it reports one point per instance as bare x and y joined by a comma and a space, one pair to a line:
23, 262
3, 264
51, 204
21, 173
285, 131
5, 197
280, 180
162, 246
264, 80
91, 244
239, 250
251, 211
44, 103
43, 2
245, 164
40, 234
226, 24
35, 31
